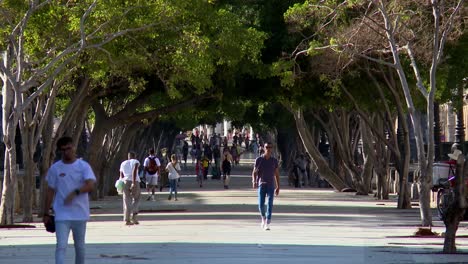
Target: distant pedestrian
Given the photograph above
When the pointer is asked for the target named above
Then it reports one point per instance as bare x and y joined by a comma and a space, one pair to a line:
131, 192
185, 150
205, 167
217, 156
69, 181
199, 172
163, 180
265, 177
300, 166
235, 154
226, 171
308, 160
173, 168
151, 173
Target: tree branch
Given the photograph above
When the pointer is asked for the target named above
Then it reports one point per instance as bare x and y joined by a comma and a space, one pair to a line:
417, 74
82, 24
379, 61
447, 30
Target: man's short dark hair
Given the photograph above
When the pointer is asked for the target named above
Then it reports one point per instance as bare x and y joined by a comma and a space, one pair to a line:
63, 141
151, 151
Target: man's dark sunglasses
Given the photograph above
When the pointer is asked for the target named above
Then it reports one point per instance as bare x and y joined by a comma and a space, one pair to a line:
66, 148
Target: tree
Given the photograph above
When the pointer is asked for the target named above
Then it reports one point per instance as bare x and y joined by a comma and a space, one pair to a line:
391, 33
27, 71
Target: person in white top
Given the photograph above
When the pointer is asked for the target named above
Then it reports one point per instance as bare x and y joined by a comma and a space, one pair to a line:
69, 181
151, 173
173, 168
131, 191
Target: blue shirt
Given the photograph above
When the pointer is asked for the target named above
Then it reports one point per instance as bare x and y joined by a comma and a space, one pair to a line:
266, 170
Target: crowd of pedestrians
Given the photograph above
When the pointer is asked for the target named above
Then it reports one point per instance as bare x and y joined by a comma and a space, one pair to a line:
71, 179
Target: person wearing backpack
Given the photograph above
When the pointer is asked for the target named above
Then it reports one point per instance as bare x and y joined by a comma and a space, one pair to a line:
151, 173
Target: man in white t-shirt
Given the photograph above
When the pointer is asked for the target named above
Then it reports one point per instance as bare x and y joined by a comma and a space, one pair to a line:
131, 191
69, 181
151, 172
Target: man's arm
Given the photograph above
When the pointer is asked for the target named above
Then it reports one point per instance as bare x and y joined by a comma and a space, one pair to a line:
145, 167
277, 179
86, 188
135, 172
50, 193
254, 177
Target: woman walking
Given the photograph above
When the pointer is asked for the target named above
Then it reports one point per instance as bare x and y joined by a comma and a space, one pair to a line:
173, 169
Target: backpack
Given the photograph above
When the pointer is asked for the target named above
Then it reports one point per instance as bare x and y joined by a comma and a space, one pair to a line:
152, 166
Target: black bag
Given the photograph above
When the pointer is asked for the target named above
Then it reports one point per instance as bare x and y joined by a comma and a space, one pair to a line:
50, 224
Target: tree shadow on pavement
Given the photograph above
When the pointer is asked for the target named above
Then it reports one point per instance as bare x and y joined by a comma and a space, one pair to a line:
224, 253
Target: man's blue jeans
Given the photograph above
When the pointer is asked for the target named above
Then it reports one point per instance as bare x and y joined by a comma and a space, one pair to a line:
62, 231
263, 191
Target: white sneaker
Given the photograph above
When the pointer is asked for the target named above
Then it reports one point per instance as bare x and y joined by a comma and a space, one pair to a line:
262, 225
266, 227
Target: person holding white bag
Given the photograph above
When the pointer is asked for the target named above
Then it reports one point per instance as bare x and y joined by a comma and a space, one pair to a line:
131, 190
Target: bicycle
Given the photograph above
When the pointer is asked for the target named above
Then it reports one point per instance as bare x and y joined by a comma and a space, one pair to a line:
445, 193
445, 198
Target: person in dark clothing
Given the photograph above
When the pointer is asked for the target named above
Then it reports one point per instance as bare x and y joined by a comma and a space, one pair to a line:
226, 171
217, 156
265, 178
185, 150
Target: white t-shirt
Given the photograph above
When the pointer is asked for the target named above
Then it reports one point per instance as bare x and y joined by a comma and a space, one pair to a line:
173, 174
127, 169
65, 178
146, 164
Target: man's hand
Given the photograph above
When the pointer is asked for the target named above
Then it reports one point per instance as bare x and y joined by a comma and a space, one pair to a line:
70, 197
255, 185
132, 186
277, 191
45, 218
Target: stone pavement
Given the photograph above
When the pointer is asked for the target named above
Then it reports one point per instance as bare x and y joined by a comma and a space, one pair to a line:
211, 225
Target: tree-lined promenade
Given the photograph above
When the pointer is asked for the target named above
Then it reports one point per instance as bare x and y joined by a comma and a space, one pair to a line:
213, 225
330, 78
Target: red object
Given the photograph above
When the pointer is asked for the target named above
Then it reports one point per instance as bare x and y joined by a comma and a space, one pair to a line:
452, 181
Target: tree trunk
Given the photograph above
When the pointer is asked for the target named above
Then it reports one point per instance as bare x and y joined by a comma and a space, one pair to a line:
7, 206
95, 153
28, 148
28, 178
47, 157
425, 199
381, 162
404, 199
11, 98
368, 152
322, 165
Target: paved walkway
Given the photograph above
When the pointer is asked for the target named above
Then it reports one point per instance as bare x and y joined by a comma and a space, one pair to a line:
212, 225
